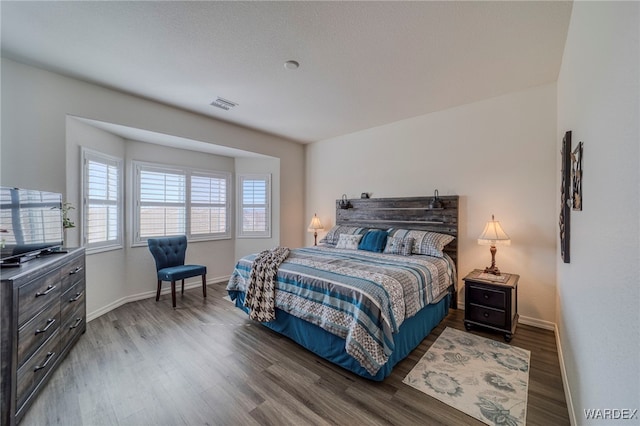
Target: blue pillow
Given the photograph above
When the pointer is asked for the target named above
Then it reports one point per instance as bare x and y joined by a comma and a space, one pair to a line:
374, 240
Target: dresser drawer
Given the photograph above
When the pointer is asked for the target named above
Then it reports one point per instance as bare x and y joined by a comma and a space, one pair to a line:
72, 273
485, 315
36, 368
75, 325
35, 332
36, 295
72, 299
494, 298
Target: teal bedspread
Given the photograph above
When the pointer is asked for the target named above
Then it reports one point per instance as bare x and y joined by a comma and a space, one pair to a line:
359, 296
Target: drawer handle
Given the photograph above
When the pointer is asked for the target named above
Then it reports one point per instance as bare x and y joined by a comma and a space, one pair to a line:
78, 321
50, 322
486, 314
47, 291
75, 271
50, 356
78, 296
486, 296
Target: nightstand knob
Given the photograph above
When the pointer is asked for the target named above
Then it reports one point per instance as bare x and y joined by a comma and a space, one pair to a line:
486, 296
486, 315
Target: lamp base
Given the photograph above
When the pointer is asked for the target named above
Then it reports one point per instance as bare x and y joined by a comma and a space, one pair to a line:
492, 270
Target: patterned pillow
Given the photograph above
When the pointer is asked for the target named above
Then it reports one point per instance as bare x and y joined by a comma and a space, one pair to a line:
425, 242
397, 245
349, 242
334, 233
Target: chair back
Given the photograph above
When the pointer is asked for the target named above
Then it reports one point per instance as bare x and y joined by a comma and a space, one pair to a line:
168, 251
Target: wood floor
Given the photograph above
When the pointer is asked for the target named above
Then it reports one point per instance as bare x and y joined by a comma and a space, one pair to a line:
206, 363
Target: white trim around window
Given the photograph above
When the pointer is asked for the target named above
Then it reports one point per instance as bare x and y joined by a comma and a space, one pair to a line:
173, 200
102, 207
253, 211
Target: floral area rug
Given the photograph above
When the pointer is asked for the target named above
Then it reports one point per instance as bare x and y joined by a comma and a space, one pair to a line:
481, 377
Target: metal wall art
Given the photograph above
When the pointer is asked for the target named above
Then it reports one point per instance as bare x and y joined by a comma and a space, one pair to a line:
565, 197
576, 177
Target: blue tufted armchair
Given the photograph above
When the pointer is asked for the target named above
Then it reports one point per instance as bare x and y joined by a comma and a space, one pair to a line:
169, 254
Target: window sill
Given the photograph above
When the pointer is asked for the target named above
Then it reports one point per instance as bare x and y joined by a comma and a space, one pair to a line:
96, 250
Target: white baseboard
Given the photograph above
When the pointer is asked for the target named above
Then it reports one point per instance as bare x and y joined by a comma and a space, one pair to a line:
565, 381
146, 295
535, 322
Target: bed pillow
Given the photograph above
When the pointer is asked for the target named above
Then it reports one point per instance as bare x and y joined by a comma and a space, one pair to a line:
374, 240
334, 233
425, 242
349, 242
398, 245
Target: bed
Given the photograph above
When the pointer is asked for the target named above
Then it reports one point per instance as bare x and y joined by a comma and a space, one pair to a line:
355, 303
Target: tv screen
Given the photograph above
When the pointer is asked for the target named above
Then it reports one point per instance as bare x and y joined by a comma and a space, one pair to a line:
30, 223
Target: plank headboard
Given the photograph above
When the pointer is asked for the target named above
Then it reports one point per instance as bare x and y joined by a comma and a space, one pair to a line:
406, 213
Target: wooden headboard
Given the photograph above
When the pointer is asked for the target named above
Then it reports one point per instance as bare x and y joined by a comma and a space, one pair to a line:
406, 213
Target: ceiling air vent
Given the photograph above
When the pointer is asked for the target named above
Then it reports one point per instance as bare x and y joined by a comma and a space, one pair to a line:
223, 104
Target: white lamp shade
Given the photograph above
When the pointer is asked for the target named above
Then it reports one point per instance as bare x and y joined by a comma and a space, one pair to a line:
493, 235
315, 224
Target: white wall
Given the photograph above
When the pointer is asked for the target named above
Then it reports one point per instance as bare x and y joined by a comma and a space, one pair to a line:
598, 296
33, 154
498, 155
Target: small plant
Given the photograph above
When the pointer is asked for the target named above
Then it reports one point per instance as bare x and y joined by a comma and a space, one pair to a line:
66, 222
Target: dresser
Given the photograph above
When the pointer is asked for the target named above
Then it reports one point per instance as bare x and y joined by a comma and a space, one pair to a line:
43, 314
490, 303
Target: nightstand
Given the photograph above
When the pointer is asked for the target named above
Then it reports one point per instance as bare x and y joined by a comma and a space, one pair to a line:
491, 304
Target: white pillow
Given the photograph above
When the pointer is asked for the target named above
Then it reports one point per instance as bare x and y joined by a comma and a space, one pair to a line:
349, 242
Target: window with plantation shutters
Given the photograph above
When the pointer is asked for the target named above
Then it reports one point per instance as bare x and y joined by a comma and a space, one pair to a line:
102, 212
180, 201
254, 208
162, 204
208, 205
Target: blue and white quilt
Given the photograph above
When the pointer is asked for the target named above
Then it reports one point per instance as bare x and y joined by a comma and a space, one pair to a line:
360, 296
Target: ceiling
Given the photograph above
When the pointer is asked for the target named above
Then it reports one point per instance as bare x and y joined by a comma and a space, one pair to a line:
362, 64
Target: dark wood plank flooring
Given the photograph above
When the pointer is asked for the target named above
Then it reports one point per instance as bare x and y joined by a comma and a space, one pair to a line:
206, 363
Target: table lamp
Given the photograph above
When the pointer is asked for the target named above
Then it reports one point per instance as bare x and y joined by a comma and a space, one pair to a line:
491, 236
314, 227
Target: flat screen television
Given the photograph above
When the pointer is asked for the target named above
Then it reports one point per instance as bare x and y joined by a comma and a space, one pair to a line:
30, 224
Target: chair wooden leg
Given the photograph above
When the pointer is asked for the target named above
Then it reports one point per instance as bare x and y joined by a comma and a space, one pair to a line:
182, 287
204, 285
158, 292
173, 293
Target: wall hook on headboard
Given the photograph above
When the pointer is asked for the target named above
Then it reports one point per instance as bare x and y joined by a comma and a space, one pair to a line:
436, 203
344, 202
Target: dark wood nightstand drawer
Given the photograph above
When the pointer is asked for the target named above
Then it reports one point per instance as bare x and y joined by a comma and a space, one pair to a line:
485, 315
495, 298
